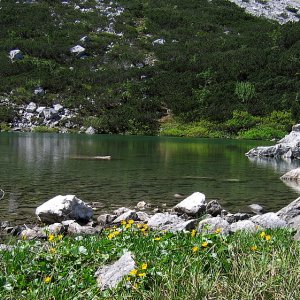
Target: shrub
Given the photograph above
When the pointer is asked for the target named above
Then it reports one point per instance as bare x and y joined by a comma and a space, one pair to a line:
262, 132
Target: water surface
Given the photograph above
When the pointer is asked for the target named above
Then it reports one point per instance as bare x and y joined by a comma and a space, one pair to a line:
36, 167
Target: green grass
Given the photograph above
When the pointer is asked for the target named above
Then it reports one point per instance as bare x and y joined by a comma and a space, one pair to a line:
218, 268
45, 129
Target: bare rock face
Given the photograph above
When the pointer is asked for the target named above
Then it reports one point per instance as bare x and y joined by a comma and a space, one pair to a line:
62, 208
108, 277
192, 205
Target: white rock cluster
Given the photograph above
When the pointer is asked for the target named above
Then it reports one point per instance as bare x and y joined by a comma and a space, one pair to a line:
281, 11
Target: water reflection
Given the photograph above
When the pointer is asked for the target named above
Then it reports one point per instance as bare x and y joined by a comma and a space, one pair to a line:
294, 185
279, 165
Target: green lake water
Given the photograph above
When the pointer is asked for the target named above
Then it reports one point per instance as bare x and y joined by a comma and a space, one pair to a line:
36, 167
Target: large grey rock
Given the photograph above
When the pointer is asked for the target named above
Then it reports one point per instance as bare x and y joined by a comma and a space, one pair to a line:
142, 216
62, 208
75, 228
294, 223
184, 226
31, 107
165, 221
290, 211
292, 175
192, 205
288, 147
245, 225
210, 225
269, 220
128, 215
108, 277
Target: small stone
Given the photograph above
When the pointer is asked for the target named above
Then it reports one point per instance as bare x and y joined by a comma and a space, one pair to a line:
120, 211
192, 205
128, 215
106, 219
213, 208
257, 209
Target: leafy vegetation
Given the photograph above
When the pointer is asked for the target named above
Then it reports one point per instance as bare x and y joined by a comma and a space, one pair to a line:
260, 265
214, 60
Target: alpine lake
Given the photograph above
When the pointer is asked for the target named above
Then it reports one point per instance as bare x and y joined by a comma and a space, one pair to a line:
36, 167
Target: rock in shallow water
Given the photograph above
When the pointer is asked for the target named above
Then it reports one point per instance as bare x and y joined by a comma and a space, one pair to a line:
62, 208
192, 205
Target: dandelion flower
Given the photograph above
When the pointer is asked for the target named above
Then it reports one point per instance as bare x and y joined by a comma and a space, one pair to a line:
195, 249
60, 236
146, 226
263, 234
218, 230
142, 274
128, 226
123, 222
144, 266
47, 279
254, 248
115, 233
133, 272
268, 237
131, 221
51, 237
52, 250
139, 225
193, 233
157, 239
111, 236
204, 244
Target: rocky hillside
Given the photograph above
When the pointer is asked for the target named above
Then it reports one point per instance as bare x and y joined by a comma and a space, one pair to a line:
121, 66
282, 11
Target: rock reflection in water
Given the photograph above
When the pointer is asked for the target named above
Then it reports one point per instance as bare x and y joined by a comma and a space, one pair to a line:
293, 184
279, 165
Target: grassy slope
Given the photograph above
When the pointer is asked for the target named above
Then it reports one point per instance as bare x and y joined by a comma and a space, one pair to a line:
210, 49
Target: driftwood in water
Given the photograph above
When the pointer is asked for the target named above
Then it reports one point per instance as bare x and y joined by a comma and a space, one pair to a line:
107, 157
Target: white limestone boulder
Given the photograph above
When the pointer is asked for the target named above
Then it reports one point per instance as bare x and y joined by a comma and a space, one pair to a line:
109, 276
192, 205
62, 208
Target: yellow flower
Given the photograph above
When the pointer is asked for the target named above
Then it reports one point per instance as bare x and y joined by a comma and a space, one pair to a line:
135, 285
193, 233
123, 222
128, 226
204, 244
142, 274
254, 248
139, 225
157, 239
111, 236
268, 237
218, 230
60, 236
24, 237
146, 226
52, 250
130, 221
263, 234
115, 233
128, 278
47, 279
51, 237
195, 249
133, 272
144, 266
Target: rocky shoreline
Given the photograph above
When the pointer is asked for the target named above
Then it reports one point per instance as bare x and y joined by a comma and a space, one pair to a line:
69, 215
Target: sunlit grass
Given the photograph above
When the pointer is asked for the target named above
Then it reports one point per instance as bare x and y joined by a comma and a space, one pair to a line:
261, 265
